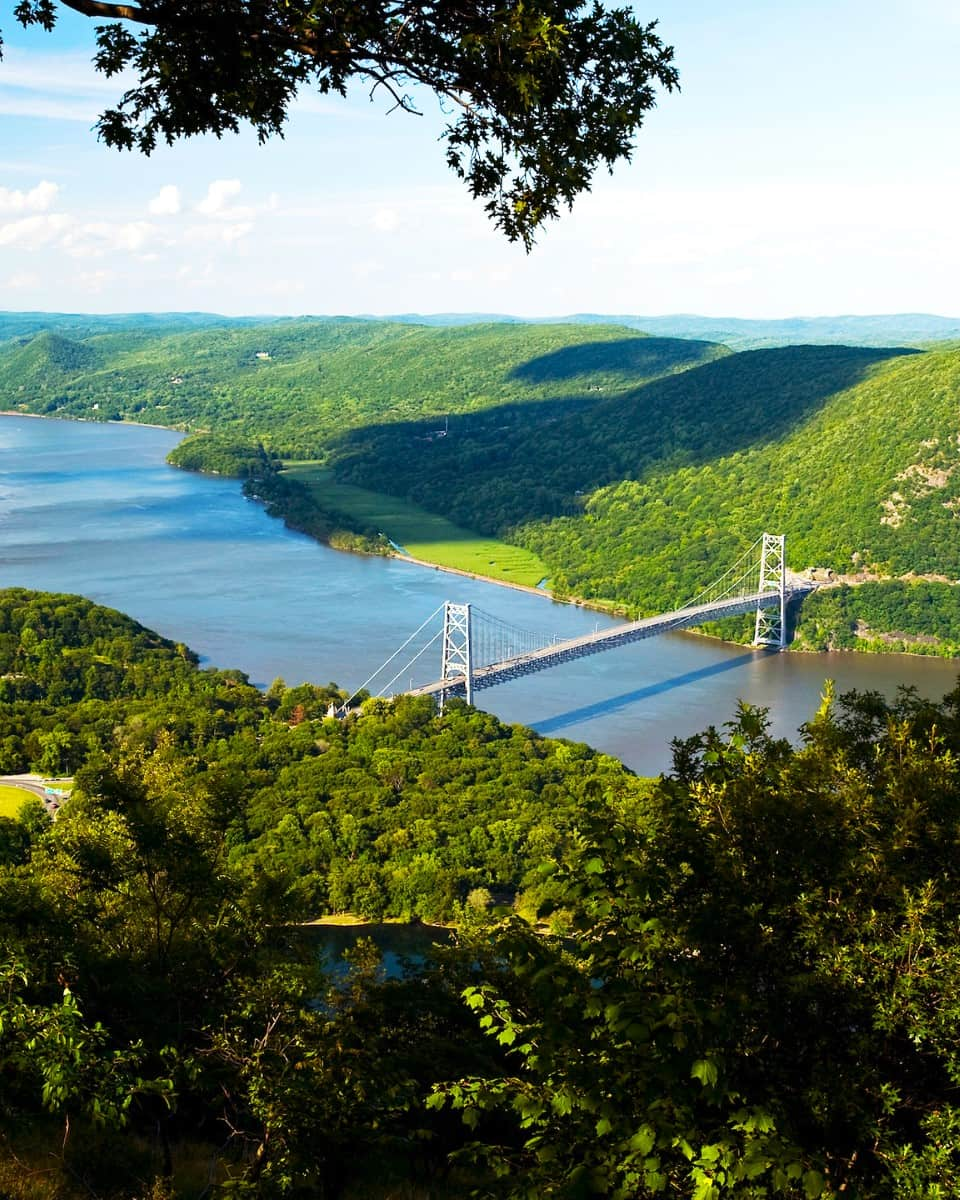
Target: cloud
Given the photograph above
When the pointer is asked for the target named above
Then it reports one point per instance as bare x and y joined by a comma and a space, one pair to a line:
52, 110
207, 235
365, 268
63, 87
33, 232
22, 279
233, 233
386, 220
166, 203
70, 74
95, 281
97, 238
38, 199
216, 203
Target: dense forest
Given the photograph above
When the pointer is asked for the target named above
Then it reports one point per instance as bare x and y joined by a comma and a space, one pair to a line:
740, 979
635, 467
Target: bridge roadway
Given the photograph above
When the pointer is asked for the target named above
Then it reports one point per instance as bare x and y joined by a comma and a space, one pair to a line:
607, 639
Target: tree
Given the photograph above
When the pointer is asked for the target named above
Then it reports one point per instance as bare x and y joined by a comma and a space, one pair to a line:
539, 94
760, 992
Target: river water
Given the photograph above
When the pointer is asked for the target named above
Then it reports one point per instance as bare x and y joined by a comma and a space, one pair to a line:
93, 509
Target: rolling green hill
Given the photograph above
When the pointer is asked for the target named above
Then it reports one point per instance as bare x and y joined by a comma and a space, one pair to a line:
631, 465
294, 385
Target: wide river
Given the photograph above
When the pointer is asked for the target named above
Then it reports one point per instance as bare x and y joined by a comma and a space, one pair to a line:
94, 509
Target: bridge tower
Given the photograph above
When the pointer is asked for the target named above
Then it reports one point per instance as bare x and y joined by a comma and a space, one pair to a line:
771, 626
457, 653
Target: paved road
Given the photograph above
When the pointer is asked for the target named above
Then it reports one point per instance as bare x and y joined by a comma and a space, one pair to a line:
36, 785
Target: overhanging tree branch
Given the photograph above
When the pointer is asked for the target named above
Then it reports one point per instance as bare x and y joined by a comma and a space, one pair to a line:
110, 12
547, 91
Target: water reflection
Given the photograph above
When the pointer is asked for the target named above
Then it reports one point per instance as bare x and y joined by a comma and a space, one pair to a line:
612, 704
93, 509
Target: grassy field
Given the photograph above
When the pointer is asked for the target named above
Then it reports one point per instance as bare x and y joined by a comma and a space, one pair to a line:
11, 798
422, 534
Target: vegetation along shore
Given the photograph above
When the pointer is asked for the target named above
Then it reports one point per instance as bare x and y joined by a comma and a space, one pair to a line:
606, 1001
623, 469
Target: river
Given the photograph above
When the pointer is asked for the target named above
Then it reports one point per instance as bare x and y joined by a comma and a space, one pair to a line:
94, 509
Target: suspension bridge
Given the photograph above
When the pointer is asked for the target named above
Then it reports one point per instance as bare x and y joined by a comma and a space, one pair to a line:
478, 650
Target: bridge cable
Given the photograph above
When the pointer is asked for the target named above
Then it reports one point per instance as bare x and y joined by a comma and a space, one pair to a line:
393, 656
403, 670
698, 597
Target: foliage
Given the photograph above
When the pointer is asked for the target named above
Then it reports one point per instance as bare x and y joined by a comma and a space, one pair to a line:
755, 991
403, 813
393, 812
543, 93
633, 467
416, 532
918, 616
759, 992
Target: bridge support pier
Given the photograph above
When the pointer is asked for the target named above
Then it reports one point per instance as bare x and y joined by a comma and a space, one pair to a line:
457, 659
771, 625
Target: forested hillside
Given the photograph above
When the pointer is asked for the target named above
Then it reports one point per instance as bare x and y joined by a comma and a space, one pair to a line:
853, 453
295, 385
416, 812
625, 1024
635, 467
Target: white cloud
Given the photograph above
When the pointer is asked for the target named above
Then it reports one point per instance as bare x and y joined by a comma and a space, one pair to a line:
166, 203
38, 199
216, 203
62, 87
98, 238
72, 74
33, 232
207, 235
28, 105
283, 287
365, 268
233, 233
386, 220
95, 281
21, 280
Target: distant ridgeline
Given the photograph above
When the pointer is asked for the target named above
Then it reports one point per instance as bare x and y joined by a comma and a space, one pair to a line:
634, 466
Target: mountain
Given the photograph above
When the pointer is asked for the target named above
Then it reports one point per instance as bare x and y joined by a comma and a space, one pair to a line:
296, 385
902, 329
630, 463
738, 333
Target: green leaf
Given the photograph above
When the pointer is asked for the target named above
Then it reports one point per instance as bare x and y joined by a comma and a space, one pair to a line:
813, 1184
643, 1140
706, 1071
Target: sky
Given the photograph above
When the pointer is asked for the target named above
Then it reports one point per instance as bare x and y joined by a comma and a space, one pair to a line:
808, 166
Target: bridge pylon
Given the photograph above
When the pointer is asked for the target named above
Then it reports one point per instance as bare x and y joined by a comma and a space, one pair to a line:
457, 659
771, 625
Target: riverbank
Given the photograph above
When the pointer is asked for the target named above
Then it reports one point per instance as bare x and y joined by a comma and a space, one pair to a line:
915, 616
16, 412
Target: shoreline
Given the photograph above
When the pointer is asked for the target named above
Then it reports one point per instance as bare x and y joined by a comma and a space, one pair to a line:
574, 602
15, 412
507, 583
608, 609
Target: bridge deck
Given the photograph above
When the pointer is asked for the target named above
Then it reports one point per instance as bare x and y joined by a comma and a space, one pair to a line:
607, 639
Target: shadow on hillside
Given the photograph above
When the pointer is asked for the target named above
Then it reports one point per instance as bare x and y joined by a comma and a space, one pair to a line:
498, 467
646, 356
602, 708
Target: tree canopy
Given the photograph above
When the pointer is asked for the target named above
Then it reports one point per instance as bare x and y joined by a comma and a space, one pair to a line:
539, 94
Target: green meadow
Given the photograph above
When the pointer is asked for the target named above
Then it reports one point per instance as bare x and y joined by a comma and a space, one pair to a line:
422, 534
11, 800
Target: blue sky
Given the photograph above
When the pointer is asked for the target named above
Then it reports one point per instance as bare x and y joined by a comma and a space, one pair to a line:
808, 166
